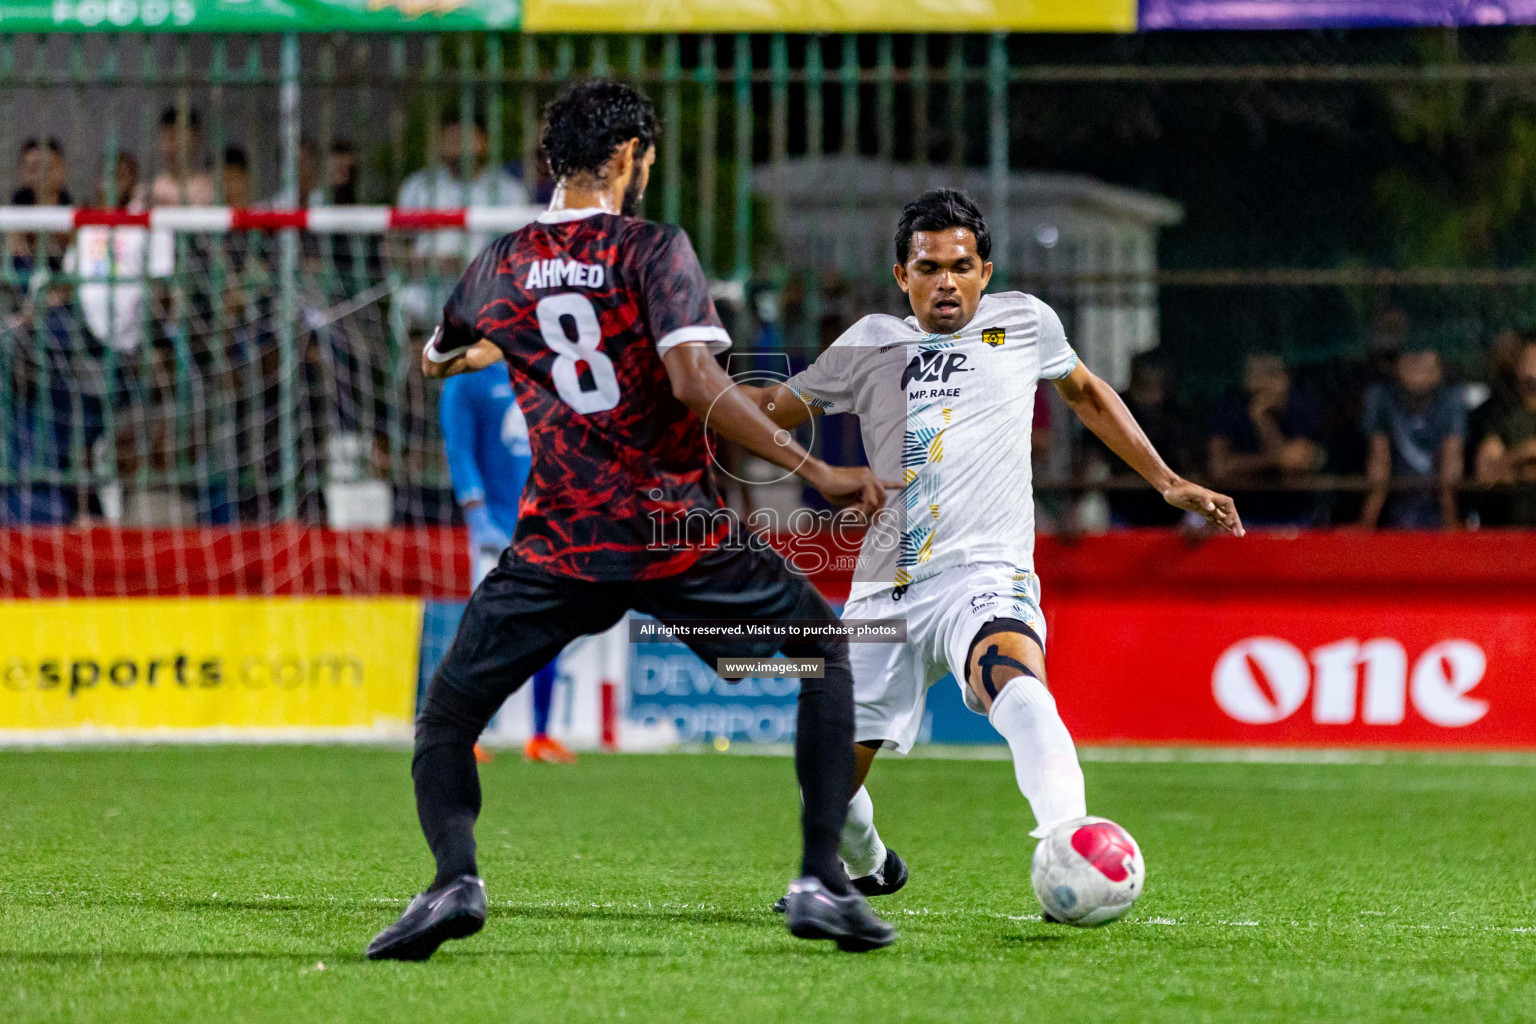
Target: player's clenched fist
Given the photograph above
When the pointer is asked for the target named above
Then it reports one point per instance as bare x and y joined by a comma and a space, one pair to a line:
851, 486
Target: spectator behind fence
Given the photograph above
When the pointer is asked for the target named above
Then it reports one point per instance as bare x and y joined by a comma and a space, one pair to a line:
124, 296
1507, 453
1504, 358
309, 182
1267, 432
183, 179
237, 177
41, 172
112, 264
1167, 425
341, 174
1416, 428
58, 414
240, 303
440, 256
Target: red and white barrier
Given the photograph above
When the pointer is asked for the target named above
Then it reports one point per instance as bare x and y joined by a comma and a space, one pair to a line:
349, 220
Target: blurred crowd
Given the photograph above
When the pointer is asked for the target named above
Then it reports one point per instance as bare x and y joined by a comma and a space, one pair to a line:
149, 385
1396, 441
147, 368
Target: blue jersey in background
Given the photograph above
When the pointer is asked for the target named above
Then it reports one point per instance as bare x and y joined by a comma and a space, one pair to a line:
487, 441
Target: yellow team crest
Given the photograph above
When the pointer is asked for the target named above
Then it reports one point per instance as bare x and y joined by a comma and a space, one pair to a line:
993, 336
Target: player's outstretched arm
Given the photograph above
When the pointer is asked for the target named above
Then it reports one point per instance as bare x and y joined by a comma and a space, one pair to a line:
1103, 412
478, 356
726, 408
780, 404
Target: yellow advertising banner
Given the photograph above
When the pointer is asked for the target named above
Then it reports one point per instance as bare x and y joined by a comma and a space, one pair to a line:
209, 667
829, 16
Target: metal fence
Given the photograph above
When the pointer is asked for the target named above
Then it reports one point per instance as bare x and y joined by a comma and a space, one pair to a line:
1323, 195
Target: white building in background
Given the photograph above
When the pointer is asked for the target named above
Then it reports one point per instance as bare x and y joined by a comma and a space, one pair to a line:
838, 214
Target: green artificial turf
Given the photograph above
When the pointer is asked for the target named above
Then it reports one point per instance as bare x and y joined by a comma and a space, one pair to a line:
210, 884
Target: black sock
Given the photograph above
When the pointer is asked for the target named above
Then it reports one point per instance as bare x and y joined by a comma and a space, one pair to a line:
824, 760
447, 788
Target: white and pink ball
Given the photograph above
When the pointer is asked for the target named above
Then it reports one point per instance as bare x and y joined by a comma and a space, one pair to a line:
1087, 872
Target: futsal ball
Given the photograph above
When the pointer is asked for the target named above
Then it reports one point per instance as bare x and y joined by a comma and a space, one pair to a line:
1087, 872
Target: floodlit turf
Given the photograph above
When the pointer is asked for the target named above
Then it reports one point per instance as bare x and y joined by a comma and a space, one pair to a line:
212, 884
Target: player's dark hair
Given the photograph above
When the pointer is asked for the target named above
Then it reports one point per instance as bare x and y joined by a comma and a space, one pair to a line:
939, 209
589, 121
453, 119
52, 145
170, 115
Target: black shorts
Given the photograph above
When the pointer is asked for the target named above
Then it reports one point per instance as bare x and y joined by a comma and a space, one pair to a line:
520, 617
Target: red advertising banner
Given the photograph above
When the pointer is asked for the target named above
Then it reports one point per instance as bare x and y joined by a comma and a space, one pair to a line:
230, 561
1333, 639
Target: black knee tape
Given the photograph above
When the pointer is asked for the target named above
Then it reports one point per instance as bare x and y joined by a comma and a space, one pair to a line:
992, 659
994, 626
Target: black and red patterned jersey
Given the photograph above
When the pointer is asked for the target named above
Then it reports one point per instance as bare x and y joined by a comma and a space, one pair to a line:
583, 304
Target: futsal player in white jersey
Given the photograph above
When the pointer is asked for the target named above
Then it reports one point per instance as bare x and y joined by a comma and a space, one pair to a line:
945, 400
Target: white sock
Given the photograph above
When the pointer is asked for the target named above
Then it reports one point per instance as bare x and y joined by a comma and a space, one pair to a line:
860, 847
1044, 759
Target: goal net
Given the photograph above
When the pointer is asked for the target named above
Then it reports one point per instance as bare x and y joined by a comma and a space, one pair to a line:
217, 401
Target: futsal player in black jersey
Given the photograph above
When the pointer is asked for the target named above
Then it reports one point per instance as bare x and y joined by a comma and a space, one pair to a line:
605, 323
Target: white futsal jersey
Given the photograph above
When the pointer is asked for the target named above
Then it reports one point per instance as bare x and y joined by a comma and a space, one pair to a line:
950, 415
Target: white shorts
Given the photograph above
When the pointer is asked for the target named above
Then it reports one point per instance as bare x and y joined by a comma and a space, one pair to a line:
943, 614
